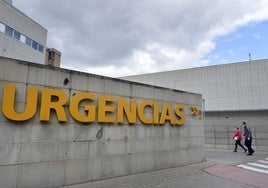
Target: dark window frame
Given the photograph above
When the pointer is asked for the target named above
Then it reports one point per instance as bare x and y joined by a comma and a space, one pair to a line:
16, 35
28, 41
40, 48
34, 45
9, 31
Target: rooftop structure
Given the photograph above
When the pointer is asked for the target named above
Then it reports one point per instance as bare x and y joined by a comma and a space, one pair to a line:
20, 36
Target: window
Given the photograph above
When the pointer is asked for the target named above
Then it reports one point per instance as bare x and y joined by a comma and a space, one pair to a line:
40, 48
2, 27
9, 31
22, 39
28, 41
16, 35
34, 45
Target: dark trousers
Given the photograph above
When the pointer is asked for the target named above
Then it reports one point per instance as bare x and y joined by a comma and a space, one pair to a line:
238, 143
248, 143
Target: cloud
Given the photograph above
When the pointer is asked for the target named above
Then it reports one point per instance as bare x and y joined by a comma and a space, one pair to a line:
119, 37
231, 52
257, 36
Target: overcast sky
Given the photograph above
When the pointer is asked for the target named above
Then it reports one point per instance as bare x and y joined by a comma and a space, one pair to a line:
125, 37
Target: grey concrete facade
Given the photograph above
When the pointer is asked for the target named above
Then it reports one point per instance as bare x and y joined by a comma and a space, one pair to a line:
15, 46
219, 129
52, 154
232, 93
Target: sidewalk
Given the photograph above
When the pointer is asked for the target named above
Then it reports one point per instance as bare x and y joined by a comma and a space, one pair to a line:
189, 176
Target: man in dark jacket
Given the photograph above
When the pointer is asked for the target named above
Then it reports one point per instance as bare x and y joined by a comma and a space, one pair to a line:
248, 138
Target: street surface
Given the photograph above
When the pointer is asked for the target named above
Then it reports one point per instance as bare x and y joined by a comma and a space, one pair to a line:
223, 169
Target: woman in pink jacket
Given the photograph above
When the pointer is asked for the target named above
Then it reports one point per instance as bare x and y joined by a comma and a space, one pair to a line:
238, 137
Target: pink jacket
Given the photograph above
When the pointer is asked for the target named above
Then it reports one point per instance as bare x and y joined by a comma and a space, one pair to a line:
238, 134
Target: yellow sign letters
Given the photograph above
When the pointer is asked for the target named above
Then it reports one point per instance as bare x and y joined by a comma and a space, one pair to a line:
86, 107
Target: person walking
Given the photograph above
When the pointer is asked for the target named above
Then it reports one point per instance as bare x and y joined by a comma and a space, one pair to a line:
238, 137
248, 138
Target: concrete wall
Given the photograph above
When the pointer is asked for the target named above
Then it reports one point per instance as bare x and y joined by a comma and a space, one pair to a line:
219, 129
52, 154
232, 93
228, 87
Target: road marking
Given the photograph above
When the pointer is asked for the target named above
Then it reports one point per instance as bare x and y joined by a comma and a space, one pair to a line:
262, 161
258, 165
253, 169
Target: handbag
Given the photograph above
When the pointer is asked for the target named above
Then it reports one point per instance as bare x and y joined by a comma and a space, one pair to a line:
236, 138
